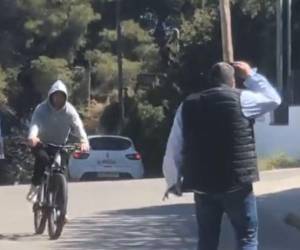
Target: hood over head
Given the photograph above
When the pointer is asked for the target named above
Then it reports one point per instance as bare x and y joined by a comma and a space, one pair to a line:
57, 86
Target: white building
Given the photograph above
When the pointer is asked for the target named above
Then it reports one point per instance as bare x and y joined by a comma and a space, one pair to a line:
273, 139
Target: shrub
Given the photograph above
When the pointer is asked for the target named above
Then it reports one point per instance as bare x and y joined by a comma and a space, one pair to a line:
280, 160
18, 156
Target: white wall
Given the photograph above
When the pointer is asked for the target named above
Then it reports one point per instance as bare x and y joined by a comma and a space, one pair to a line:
272, 139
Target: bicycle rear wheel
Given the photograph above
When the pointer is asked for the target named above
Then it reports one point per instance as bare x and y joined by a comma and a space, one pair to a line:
58, 198
39, 213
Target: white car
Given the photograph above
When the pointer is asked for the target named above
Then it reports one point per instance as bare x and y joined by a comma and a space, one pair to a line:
109, 157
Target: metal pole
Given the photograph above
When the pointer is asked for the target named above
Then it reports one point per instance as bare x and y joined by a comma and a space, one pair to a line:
279, 36
225, 18
120, 63
286, 49
289, 39
281, 115
89, 85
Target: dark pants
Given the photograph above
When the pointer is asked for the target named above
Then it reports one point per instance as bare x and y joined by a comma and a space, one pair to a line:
42, 159
240, 206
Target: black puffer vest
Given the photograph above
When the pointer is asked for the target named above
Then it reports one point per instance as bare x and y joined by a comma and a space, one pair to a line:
219, 146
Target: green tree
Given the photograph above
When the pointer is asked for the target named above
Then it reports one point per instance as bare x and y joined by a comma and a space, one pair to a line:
3, 85
56, 28
105, 73
45, 71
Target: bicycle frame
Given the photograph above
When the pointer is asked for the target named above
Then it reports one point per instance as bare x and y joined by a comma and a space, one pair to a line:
46, 207
55, 166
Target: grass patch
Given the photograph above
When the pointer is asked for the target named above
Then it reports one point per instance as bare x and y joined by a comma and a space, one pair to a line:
278, 161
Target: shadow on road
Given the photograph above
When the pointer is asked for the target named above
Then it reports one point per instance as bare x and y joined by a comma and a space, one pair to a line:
145, 228
273, 208
18, 237
173, 227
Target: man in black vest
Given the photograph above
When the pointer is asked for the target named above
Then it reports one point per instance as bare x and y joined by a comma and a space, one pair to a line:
211, 152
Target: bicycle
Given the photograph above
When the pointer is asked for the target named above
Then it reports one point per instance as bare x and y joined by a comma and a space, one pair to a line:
52, 197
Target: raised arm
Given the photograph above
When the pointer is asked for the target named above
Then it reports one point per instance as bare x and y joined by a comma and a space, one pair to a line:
260, 96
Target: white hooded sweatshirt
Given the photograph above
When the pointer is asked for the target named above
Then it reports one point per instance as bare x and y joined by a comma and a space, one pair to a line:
54, 126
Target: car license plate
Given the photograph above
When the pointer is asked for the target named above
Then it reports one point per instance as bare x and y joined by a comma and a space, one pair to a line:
107, 161
107, 175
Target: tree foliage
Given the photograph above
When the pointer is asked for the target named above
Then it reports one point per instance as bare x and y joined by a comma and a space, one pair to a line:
45, 71
3, 85
56, 27
254, 8
105, 71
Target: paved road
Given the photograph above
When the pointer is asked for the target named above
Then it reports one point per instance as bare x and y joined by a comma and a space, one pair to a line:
131, 215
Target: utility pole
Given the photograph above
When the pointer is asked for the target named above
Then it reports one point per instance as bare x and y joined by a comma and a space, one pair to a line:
279, 42
284, 44
120, 64
287, 48
225, 18
84, 74
283, 61
89, 85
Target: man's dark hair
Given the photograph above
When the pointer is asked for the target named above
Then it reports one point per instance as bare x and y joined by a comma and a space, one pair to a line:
221, 73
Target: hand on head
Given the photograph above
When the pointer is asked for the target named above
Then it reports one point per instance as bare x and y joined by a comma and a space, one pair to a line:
242, 69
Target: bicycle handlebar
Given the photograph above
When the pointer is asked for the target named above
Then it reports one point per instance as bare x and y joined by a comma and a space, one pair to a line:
67, 147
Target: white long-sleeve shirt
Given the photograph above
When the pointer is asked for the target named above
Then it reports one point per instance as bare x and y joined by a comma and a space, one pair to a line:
259, 98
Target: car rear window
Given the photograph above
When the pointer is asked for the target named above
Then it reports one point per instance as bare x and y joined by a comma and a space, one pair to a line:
109, 143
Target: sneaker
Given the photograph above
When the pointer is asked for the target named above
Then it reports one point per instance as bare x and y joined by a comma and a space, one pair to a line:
32, 194
67, 219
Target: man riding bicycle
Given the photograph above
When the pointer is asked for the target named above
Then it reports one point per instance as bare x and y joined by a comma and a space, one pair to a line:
52, 121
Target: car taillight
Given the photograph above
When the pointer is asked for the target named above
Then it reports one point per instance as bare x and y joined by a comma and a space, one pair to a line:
135, 156
80, 155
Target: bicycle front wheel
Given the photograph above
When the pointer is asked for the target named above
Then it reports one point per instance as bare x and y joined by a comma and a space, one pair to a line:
58, 198
39, 213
